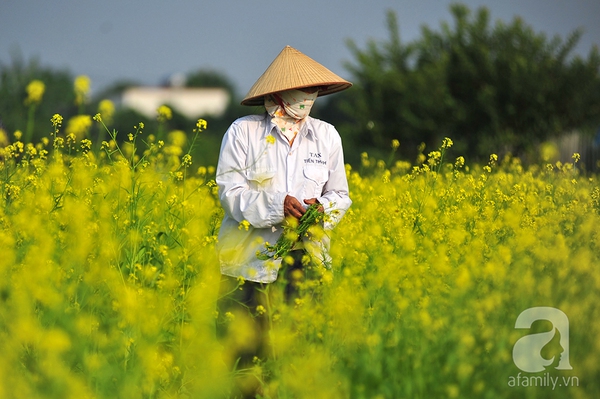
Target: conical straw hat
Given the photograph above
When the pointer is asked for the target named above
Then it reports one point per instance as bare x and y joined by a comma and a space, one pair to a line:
293, 70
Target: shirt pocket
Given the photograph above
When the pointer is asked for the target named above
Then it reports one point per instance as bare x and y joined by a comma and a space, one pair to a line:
315, 178
260, 179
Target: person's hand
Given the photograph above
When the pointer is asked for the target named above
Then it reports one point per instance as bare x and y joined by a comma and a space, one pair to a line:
312, 201
293, 207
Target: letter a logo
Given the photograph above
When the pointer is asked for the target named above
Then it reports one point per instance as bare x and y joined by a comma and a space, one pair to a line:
527, 352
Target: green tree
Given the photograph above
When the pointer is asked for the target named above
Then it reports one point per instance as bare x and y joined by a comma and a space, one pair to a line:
501, 88
58, 96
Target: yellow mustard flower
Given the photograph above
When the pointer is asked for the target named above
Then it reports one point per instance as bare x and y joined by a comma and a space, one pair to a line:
106, 109
79, 125
35, 92
82, 87
56, 120
201, 125
164, 113
244, 225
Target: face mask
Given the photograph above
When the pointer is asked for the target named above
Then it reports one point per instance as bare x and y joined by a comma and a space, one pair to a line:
294, 103
288, 109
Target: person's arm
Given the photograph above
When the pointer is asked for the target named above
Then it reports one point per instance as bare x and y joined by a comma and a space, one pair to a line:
335, 198
261, 208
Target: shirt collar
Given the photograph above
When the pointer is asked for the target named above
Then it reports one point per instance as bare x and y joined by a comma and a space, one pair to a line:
306, 130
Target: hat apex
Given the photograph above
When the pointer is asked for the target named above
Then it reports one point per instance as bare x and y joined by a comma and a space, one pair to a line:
293, 70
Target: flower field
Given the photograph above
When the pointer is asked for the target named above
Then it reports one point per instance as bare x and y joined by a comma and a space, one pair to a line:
110, 279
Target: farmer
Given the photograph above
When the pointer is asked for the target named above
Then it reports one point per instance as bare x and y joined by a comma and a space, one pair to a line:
272, 167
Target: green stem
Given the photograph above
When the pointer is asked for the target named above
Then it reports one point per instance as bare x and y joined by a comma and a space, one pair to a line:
30, 124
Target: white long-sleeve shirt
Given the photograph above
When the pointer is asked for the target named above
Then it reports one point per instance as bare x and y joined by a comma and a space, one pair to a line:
257, 169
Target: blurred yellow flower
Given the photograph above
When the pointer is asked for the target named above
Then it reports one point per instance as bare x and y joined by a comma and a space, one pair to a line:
35, 92
79, 125
82, 88
3, 137
177, 138
549, 152
106, 109
164, 113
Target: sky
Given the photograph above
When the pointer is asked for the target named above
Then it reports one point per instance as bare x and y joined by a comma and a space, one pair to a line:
147, 41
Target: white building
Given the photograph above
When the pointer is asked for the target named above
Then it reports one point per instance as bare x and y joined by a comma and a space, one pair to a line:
189, 101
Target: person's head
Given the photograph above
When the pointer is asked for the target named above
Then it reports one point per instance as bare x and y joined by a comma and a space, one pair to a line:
292, 70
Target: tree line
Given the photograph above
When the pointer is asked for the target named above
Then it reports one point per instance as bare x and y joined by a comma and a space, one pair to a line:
501, 88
